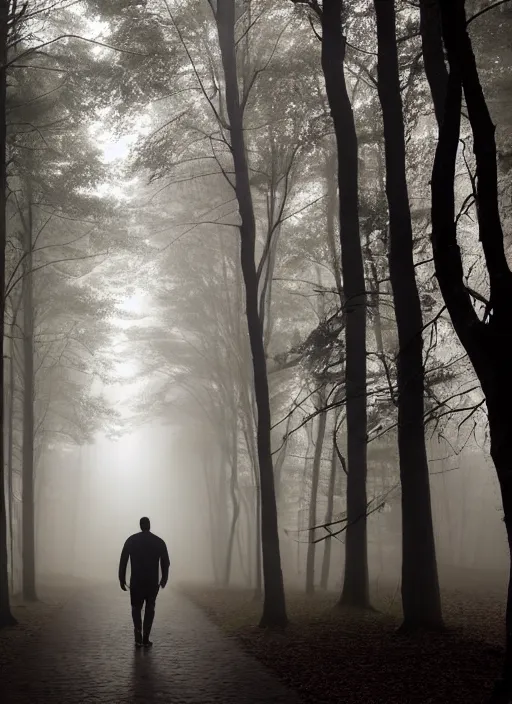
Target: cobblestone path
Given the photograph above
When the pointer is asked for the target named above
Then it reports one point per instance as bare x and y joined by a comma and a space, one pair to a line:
87, 655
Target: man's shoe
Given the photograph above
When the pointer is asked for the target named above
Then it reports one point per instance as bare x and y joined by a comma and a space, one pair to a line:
146, 642
138, 638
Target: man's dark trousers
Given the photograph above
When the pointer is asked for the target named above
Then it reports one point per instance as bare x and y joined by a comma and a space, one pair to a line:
141, 594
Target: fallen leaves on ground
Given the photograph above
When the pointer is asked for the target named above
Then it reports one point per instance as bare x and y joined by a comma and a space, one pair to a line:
332, 655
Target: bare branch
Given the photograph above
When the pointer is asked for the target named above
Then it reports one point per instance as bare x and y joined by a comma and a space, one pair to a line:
35, 49
486, 9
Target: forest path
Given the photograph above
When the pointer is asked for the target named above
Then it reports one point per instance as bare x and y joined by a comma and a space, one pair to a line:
87, 655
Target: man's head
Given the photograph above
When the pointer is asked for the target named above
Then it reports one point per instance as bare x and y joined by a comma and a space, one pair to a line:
145, 523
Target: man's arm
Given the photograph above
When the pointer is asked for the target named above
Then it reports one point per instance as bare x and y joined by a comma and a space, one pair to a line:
123, 563
164, 565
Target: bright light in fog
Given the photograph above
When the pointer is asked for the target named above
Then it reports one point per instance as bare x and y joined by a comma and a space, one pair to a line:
126, 370
133, 303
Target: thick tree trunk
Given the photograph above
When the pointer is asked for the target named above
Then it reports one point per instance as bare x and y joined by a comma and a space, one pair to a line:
6, 617
326, 560
29, 553
501, 453
487, 342
420, 585
356, 583
315, 478
274, 606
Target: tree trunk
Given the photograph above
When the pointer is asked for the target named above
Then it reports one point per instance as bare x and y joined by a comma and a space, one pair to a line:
258, 547
256, 534
29, 554
326, 560
233, 490
210, 493
242, 553
10, 449
501, 453
250, 525
6, 617
433, 54
274, 605
356, 583
486, 341
265, 304
303, 492
420, 585
315, 478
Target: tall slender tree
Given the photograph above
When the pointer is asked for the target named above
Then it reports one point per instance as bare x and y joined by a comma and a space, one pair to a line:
274, 606
355, 590
420, 585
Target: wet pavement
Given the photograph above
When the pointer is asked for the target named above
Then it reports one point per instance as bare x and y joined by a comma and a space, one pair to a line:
86, 654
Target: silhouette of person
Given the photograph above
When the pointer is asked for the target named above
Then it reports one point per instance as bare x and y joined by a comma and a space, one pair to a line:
145, 550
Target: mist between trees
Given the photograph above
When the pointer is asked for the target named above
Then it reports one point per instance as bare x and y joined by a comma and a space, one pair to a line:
256, 284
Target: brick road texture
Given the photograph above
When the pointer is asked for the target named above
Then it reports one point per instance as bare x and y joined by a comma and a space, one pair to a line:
86, 655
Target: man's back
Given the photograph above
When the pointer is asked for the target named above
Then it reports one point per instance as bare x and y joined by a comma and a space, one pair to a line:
146, 551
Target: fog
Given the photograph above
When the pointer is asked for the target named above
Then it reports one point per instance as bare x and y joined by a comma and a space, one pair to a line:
90, 500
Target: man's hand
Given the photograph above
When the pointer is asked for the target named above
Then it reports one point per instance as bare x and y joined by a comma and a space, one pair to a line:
163, 582
123, 586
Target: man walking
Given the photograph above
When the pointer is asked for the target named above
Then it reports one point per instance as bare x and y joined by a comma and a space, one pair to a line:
146, 551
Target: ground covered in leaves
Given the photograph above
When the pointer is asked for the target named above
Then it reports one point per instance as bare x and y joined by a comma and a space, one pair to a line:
332, 656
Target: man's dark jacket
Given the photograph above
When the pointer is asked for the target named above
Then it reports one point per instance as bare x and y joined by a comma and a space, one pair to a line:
146, 551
